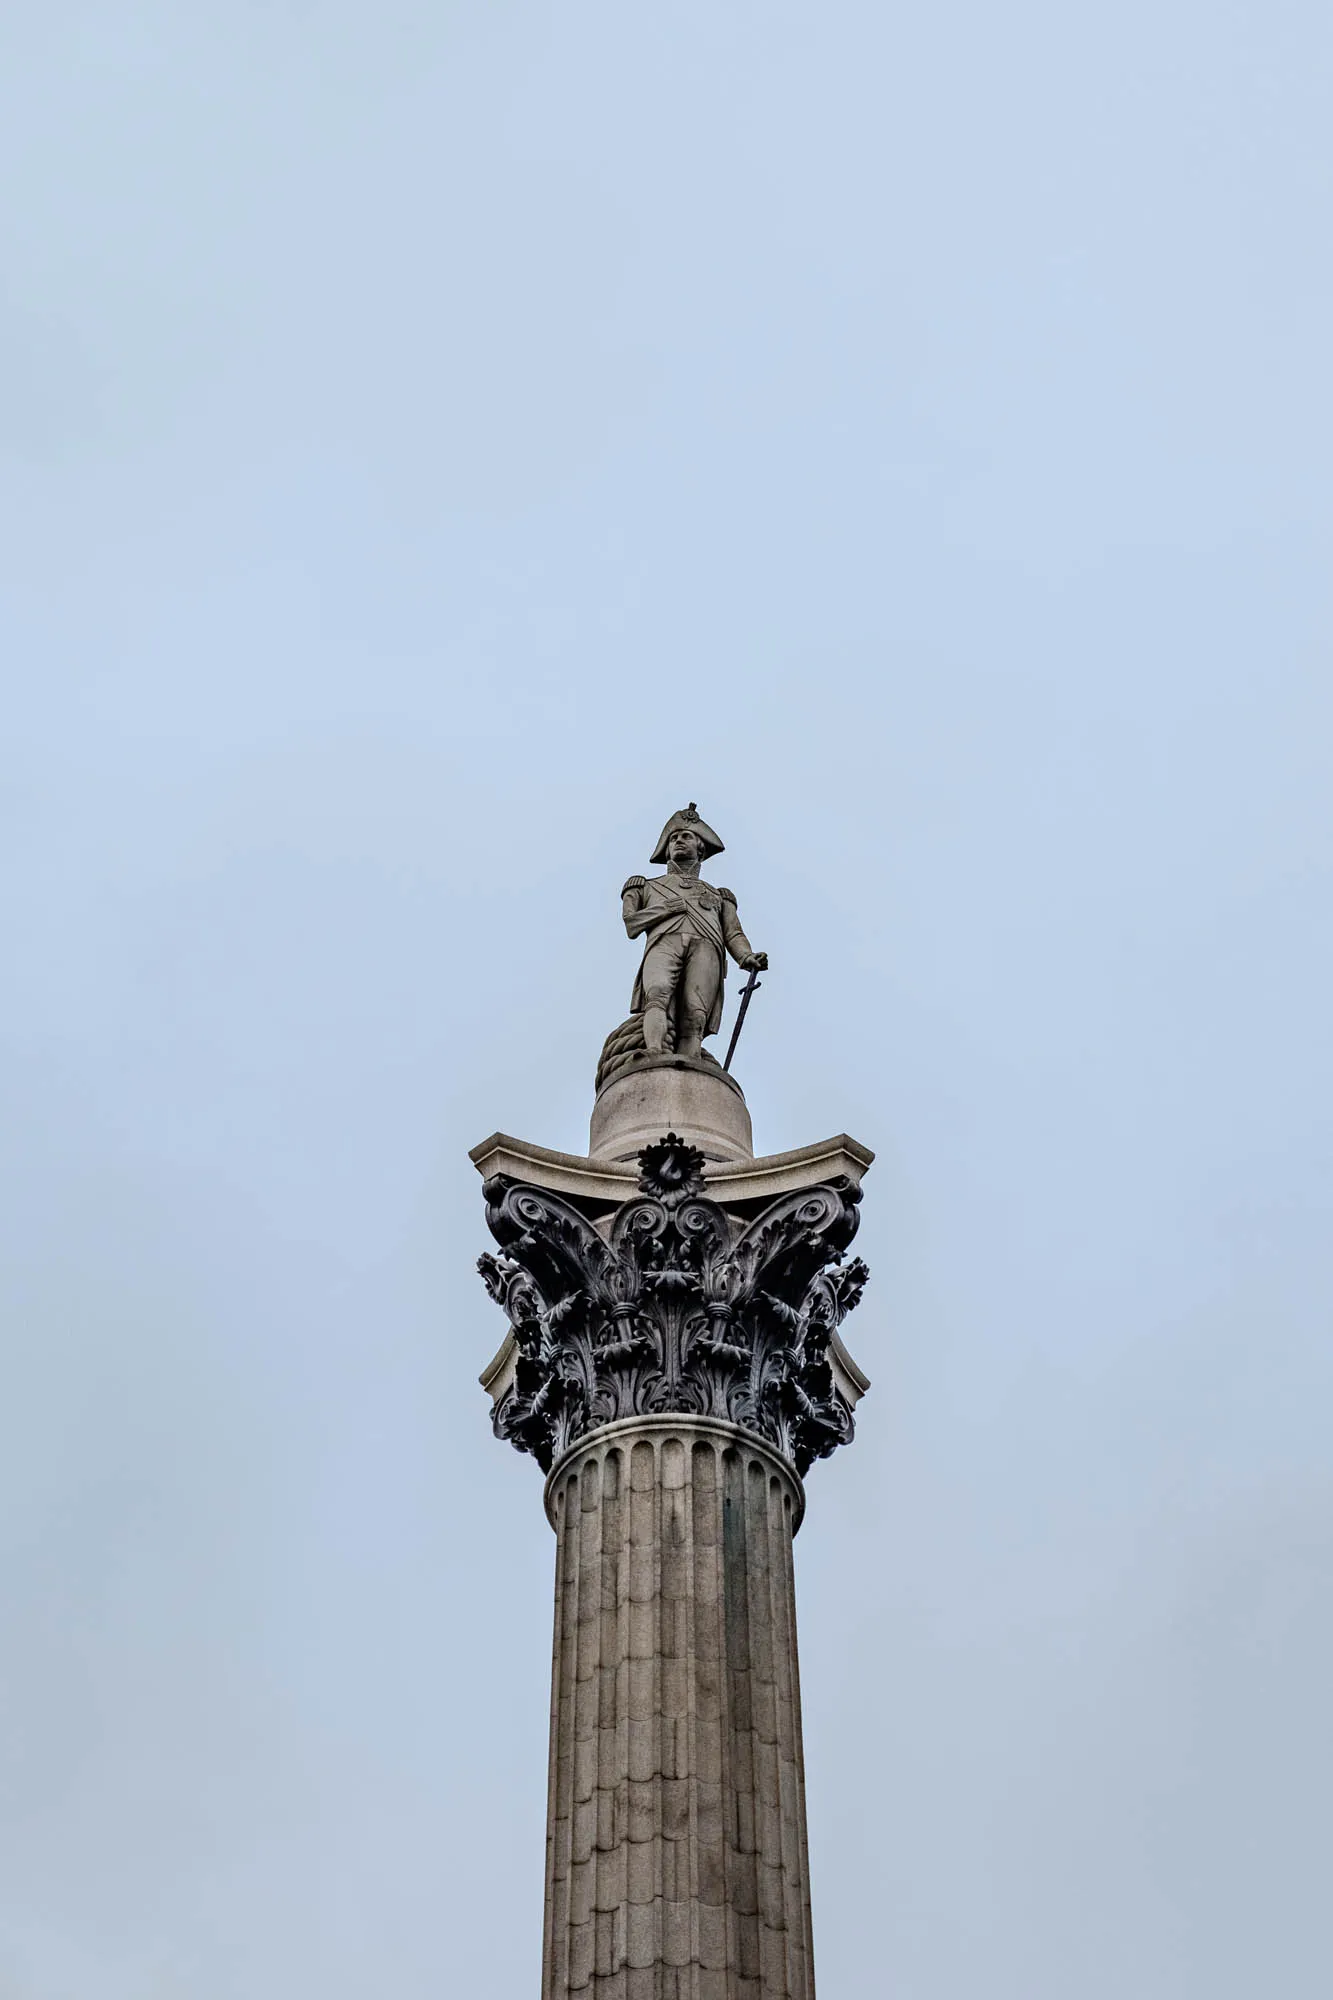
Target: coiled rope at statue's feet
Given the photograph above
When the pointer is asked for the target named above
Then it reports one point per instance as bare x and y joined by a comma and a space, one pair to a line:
625, 1046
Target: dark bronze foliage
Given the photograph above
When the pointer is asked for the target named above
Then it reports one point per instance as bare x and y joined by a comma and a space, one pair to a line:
676, 1307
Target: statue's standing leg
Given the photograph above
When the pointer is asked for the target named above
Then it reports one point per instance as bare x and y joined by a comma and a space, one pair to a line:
661, 978
698, 990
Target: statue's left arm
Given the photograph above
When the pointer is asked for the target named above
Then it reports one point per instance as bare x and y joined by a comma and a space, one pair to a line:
737, 943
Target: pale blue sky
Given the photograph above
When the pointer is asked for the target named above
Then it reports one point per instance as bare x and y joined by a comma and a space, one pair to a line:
436, 441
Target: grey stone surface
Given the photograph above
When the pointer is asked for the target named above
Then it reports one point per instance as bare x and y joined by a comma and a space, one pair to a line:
676, 1860
671, 1094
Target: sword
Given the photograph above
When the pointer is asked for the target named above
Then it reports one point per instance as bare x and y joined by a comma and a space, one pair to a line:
748, 991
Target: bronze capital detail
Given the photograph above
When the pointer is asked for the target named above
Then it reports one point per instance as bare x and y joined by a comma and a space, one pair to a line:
674, 1305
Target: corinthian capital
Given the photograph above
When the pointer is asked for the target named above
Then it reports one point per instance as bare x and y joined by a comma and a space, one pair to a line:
674, 1304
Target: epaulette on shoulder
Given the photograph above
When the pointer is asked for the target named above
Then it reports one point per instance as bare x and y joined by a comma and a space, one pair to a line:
728, 896
635, 882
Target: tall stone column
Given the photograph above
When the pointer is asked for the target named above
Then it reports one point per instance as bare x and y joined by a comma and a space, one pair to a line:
675, 1850
674, 1364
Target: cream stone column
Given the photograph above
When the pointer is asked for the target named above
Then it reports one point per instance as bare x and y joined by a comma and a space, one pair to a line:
674, 1365
676, 1864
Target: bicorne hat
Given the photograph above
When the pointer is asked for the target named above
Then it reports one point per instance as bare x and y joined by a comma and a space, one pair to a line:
688, 818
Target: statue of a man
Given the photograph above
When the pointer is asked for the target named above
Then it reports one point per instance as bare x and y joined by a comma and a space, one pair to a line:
690, 927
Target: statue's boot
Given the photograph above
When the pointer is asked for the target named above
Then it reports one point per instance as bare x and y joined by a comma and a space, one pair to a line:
691, 1041
656, 1030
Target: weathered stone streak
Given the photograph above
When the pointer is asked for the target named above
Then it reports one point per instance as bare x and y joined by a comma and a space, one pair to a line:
676, 1843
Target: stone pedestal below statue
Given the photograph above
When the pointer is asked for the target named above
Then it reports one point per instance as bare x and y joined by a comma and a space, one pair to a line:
674, 1362
695, 1098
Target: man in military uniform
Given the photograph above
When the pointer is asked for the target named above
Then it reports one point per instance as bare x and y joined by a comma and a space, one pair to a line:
690, 927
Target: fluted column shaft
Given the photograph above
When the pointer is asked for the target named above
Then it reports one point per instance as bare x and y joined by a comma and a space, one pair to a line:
676, 1861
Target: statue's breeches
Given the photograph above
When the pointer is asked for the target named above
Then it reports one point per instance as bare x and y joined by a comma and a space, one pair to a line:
683, 974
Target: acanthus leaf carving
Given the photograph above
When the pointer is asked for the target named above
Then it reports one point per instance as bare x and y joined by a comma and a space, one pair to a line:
677, 1308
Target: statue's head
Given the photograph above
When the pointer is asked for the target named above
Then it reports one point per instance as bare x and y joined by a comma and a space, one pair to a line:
686, 839
684, 848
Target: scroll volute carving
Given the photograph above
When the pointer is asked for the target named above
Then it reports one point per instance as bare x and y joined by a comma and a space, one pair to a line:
677, 1309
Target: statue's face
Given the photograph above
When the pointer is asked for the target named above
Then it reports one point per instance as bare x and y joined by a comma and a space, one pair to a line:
685, 848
